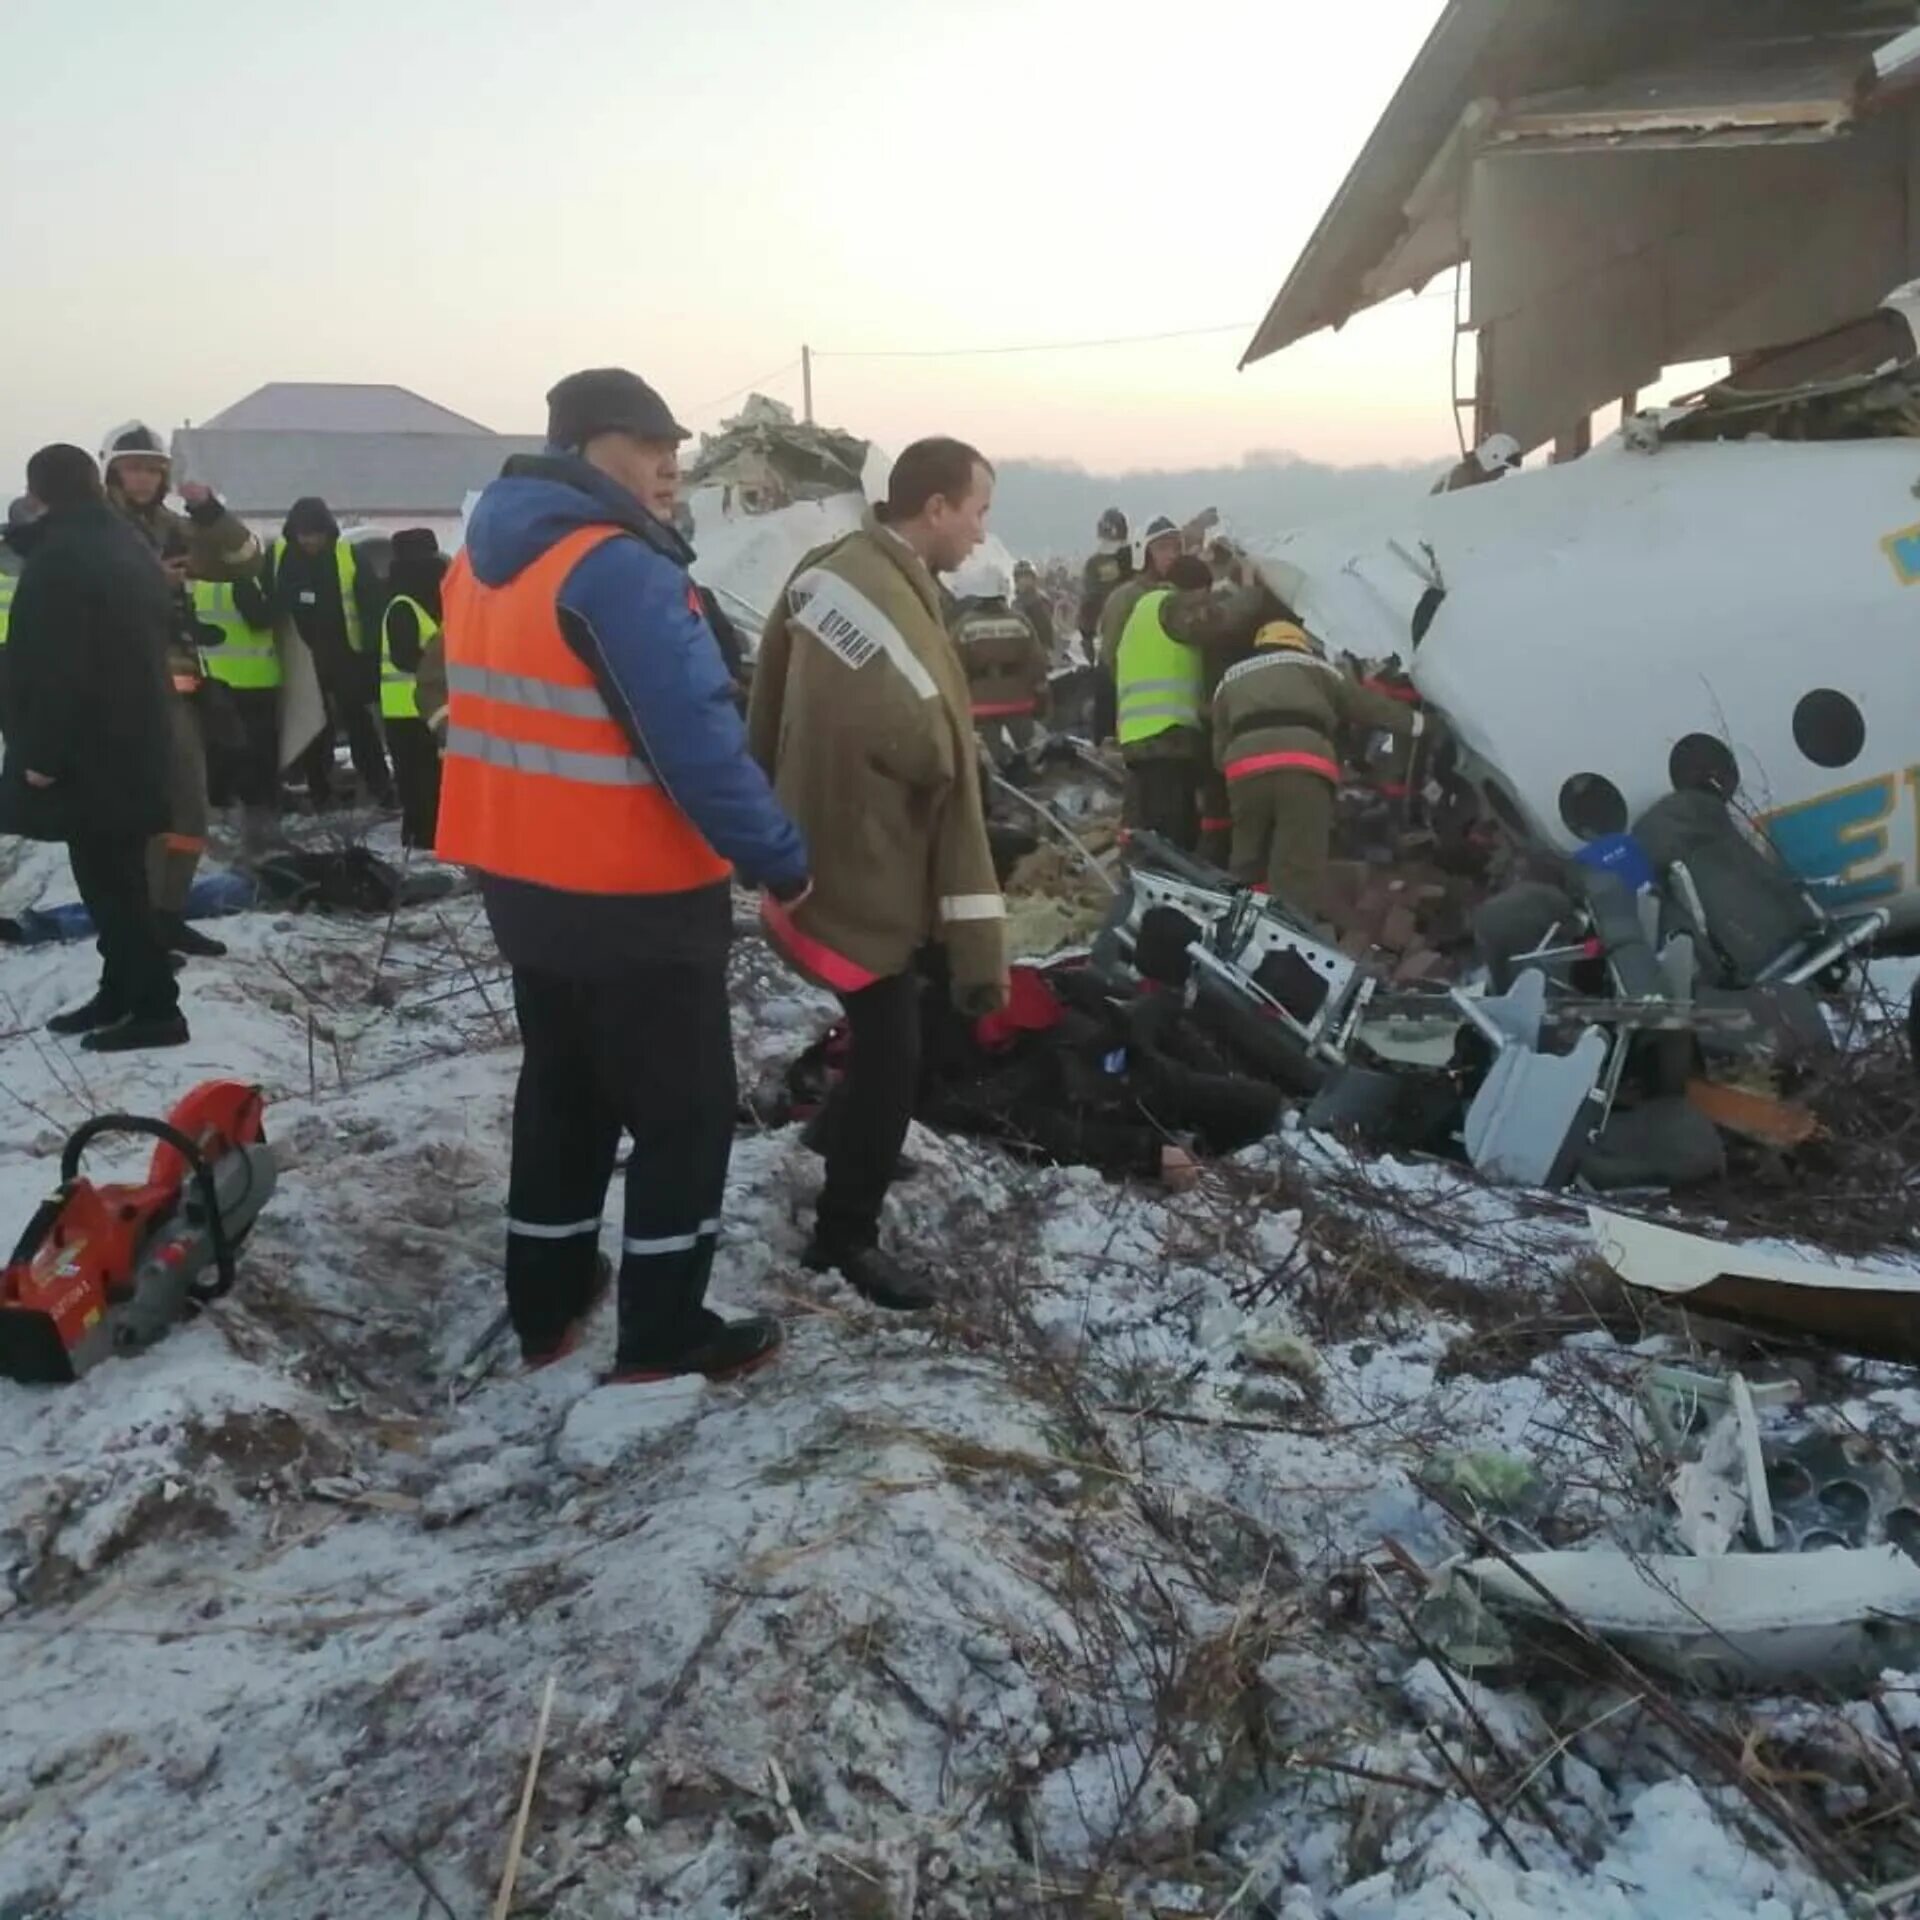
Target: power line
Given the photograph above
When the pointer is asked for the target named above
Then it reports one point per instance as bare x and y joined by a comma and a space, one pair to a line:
764, 380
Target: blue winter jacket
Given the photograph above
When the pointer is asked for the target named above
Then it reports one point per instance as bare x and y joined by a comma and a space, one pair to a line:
625, 609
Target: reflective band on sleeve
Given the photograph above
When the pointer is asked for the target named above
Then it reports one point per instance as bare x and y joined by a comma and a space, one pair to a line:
1283, 763
672, 1242
848, 624
1419, 725
559, 763
522, 690
1002, 709
973, 906
1216, 823
183, 843
534, 1230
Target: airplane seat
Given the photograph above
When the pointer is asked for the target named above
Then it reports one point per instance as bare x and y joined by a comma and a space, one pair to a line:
1741, 904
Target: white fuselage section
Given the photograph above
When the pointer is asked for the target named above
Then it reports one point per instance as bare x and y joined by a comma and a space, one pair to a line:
1731, 612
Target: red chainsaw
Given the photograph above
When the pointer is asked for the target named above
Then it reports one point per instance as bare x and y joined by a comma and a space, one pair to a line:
106, 1269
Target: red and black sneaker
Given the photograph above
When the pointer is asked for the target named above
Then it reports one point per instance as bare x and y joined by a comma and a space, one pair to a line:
576, 1329
720, 1350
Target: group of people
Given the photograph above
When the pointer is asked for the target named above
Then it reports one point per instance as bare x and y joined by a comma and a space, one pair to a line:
1229, 717
565, 716
157, 663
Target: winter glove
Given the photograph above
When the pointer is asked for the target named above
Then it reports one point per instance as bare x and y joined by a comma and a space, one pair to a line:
980, 998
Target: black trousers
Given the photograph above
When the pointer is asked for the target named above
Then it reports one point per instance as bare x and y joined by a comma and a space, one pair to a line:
868, 1112
416, 772
136, 978
1162, 797
352, 713
247, 770
650, 1054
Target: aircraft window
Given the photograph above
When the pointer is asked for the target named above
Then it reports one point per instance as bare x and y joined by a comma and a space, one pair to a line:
1592, 806
1829, 729
1702, 762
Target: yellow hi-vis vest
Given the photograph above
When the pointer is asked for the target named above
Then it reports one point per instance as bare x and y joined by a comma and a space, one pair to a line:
245, 657
349, 572
1159, 680
8, 581
399, 695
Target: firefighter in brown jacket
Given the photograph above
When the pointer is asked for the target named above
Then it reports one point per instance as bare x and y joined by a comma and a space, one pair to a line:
1277, 719
1004, 658
861, 714
205, 543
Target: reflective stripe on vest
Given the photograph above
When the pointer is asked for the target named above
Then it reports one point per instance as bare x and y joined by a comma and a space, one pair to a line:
399, 697
8, 581
1282, 763
245, 657
539, 781
1160, 680
349, 571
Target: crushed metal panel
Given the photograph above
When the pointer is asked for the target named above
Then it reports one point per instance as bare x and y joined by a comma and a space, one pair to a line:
1867, 1310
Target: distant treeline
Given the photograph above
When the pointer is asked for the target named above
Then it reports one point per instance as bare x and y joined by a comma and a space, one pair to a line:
1047, 510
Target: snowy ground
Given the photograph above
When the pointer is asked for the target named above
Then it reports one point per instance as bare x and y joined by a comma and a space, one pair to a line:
1071, 1602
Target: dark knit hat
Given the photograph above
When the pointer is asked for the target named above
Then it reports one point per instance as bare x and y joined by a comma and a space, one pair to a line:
416, 543
608, 400
311, 514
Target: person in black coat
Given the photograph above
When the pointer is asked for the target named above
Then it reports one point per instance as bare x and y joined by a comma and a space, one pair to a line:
306, 588
87, 736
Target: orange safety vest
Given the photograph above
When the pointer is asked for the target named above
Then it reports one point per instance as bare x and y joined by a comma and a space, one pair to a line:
539, 782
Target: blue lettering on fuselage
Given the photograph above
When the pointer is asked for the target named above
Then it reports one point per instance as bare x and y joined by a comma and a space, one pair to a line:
1833, 842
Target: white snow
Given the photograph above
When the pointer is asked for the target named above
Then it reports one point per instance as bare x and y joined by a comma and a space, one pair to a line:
921, 1620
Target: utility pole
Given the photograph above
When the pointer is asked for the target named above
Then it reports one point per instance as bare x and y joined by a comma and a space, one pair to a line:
806, 381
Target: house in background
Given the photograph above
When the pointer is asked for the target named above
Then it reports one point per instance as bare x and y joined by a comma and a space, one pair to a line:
380, 456
1626, 186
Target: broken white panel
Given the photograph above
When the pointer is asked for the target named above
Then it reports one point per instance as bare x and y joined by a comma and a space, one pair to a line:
1665, 1260
1520, 1124
1839, 1616
1709, 1494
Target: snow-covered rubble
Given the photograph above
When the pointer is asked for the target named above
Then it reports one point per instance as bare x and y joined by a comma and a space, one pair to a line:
1053, 1605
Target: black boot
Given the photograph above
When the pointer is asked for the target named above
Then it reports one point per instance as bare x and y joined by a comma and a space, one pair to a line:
874, 1274
813, 1136
133, 1034
719, 1349
178, 937
97, 1012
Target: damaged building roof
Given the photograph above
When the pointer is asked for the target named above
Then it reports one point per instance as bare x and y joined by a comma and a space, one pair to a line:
1684, 134
772, 459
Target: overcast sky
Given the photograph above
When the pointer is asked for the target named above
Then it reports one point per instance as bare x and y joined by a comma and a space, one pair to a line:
471, 197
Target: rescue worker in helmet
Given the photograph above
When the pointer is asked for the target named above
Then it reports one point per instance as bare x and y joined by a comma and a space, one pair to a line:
1160, 551
1110, 563
1004, 658
1495, 457
1033, 605
1277, 718
205, 543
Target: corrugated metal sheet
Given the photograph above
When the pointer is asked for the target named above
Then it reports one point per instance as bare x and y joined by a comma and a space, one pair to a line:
1388, 230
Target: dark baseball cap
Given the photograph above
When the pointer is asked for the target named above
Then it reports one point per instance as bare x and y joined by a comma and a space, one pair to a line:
608, 400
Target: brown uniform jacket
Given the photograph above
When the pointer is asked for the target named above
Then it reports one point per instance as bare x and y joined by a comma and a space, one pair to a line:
1291, 707
861, 717
216, 546
1004, 660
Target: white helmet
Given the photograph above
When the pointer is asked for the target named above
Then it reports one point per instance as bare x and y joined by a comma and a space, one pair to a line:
132, 437
1498, 452
980, 578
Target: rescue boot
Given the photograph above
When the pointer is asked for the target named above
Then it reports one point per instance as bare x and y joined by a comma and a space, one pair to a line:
813, 1136
97, 1012
719, 1350
575, 1330
133, 1034
874, 1274
178, 936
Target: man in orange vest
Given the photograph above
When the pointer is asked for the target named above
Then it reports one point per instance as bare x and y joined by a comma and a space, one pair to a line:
596, 775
